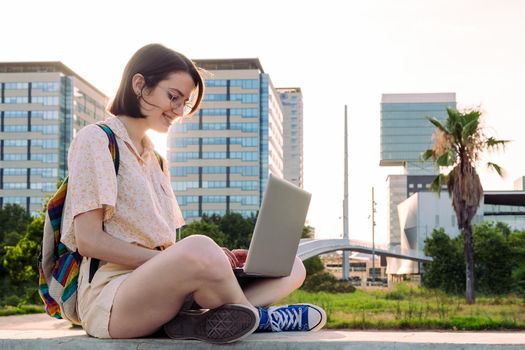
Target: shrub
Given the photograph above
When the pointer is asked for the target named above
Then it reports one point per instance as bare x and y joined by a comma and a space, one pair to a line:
325, 282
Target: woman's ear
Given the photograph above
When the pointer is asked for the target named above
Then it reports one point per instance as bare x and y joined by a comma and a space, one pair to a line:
138, 83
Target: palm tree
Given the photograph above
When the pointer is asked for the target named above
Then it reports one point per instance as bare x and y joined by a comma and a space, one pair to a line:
458, 144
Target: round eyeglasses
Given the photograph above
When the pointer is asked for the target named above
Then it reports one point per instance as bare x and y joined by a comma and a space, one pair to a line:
177, 100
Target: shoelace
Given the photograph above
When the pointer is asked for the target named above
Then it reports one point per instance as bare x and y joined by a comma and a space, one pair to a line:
286, 319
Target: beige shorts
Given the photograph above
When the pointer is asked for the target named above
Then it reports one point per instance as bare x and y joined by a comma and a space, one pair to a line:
95, 299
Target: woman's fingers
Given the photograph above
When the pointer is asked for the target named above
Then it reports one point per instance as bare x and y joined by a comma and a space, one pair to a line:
241, 255
233, 259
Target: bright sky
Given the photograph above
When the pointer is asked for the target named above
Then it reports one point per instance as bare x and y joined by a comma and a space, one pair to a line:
343, 52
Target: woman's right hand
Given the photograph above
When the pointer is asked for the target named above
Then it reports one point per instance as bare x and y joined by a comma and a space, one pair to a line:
231, 257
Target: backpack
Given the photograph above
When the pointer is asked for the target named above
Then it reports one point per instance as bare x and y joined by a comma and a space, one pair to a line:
58, 266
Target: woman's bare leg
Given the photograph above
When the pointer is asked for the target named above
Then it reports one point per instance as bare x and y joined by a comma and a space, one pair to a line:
268, 291
154, 293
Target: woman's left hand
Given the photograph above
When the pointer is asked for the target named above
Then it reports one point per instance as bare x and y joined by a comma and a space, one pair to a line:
240, 255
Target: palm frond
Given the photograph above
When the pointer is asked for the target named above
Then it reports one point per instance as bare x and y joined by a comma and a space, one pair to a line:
438, 183
429, 153
493, 143
437, 124
469, 129
497, 168
444, 159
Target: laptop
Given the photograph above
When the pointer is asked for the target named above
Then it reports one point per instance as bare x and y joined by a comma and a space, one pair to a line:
277, 231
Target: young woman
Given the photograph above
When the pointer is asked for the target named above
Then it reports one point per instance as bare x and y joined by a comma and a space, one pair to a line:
128, 222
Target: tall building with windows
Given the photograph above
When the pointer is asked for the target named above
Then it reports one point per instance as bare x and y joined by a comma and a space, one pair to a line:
292, 102
42, 106
405, 135
221, 157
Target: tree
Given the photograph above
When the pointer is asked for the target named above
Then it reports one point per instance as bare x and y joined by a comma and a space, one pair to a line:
493, 267
207, 229
458, 144
446, 271
238, 230
13, 222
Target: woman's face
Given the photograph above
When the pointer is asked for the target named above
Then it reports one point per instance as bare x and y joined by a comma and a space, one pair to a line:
167, 101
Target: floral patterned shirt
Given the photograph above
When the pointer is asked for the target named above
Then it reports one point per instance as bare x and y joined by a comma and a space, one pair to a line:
139, 204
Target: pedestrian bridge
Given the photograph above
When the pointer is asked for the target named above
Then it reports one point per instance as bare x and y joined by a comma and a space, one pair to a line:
312, 247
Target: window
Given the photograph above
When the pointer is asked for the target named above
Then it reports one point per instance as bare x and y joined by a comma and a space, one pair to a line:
213, 112
46, 86
214, 170
44, 172
15, 171
16, 86
244, 156
45, 100
214, 97
245, 170
184, 171
15, 143
245, 141
215, 83
15, 200
15, 185
45, 129
15, 156
44, 186
45, 157
245, 83
45, 143
244, 98
185, 200
184, 156
15, 128
15, 99
15, 114
184, 185
245, 112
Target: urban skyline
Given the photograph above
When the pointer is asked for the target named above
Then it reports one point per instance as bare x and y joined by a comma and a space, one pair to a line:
469, 47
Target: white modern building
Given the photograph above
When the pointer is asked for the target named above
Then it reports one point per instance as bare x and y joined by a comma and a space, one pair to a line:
423, 212
293, 131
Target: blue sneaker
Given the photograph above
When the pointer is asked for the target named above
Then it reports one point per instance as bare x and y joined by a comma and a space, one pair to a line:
294, 318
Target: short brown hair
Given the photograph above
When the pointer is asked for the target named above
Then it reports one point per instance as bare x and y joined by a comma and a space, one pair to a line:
154, 62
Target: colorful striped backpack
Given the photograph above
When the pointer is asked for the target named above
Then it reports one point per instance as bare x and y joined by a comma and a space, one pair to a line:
57, 265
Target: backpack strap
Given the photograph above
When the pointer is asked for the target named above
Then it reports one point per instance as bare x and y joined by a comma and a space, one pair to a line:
160, 160
115, 155
113, 146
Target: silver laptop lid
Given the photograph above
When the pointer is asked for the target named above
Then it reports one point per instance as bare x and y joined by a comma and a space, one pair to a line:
278, 229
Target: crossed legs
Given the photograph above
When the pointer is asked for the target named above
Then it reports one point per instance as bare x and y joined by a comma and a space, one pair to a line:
155, 292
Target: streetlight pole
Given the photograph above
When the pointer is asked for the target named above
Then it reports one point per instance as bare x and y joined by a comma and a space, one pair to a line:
373, 239
345, 203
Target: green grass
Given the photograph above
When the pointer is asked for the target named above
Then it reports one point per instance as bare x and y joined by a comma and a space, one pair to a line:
21, 310
414, 308
405, 307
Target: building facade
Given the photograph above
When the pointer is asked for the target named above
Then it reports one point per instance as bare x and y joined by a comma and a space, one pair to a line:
423, 212
292, 102
405, 135
221, 157
42, 106
405, 131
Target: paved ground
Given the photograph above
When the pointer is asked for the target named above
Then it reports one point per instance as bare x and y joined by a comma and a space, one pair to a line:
42, 332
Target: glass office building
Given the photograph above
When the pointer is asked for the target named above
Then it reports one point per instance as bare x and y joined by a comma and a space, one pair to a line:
405, 131
221, 157
42, 106
405, 135
292, 102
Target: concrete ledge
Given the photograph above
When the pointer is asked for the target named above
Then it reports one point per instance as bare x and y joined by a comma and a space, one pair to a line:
41, 332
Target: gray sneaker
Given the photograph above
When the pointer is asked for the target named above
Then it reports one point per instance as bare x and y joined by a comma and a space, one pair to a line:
225, 324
